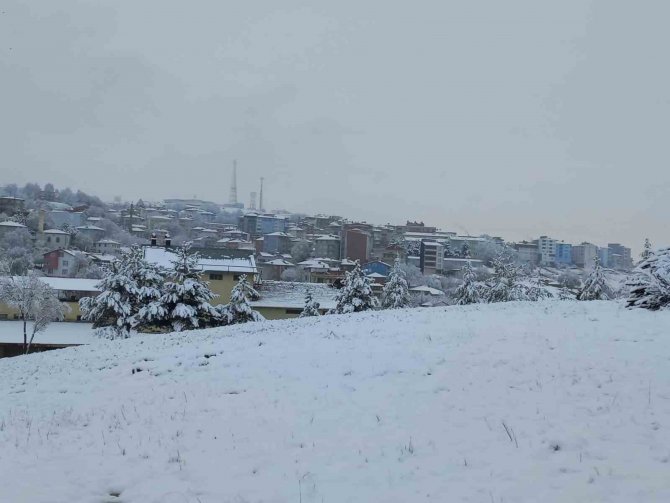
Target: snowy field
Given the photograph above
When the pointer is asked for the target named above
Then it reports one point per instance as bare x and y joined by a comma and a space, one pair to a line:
521, 402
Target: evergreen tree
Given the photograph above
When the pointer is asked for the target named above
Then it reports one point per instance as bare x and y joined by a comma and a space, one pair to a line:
594, 287
129, 285
537, 290
646, 253
650, 286
396, 291
311, 306
184, 302
238, 310
468, 291
504, 286
356, 294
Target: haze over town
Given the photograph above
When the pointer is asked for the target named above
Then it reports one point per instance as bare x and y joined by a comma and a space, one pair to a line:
515, 118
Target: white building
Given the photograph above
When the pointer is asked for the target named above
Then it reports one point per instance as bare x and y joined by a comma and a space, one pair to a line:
583, 255
546, 247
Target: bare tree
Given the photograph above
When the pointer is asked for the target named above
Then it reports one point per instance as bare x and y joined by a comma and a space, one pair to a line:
35, 302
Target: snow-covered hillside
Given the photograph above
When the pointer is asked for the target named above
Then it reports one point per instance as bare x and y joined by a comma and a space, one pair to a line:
551, 402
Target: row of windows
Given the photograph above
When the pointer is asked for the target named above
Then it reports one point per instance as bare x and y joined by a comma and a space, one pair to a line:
219, 277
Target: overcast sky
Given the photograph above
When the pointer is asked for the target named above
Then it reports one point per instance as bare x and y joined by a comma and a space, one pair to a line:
513, 118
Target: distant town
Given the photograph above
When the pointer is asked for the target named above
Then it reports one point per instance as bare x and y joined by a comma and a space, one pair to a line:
71, 238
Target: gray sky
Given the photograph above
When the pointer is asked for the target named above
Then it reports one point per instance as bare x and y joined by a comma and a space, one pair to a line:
515, 118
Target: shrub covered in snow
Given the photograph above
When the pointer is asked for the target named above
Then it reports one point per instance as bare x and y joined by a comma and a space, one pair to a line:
650, 285
504, 285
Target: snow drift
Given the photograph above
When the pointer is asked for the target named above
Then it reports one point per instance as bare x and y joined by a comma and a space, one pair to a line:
553, 402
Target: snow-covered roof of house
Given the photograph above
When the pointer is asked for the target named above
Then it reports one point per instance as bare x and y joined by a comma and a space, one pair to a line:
209, 231
90, 228
346, 261
290, 295
55, 333
72, 284
164, 258
266, 254
101, 257
313, 264
279, 262
279, 234
55, 231
327, 238
9, 223
426, 289
375, 275
109, 242
94, 219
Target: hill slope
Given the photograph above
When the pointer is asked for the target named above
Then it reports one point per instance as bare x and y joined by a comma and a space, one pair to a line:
561, 401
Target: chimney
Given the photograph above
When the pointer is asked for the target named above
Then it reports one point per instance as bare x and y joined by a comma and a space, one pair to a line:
40, 222
168, 240
153, 239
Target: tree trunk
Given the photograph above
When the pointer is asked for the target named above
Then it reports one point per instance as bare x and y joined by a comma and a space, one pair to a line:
25, 337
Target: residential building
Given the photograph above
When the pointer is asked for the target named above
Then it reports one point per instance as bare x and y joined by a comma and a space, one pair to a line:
8, 226
327, 246
65, 218
283, 299
92, 231
69, 291
56, 238
257, 225
547, 249
277, 242
583, 255
107, 247
377, 267
11, 205
624, 260
563, 253
604, 256
528, 253
356, 242
273, 269
431, 257
60, 262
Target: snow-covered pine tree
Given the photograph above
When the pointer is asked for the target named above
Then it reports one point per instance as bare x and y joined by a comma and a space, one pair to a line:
184, 302
356, 294
238, 310
594, 287
468, 292
311, 307
504, 286
129, 285
650, 286
646, 252
112, 311
396, 291
537, 290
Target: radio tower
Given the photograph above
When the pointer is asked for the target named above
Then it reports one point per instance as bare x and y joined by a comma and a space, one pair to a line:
260, 201
233, 186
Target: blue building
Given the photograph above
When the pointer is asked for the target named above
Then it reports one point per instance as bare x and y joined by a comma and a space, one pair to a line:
563, 253
377, 266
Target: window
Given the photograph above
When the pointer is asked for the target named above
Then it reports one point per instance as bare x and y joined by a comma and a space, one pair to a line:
79, 317
73, 298
217, 277
57, 239
237, 277
65, 271
293, 311
3, 316
65, 262
16, 316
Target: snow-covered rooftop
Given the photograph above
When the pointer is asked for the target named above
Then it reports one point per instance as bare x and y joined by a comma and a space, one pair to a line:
291, 295
162, 257
72, 284
55, 231
9, 223
89, 228
427, 289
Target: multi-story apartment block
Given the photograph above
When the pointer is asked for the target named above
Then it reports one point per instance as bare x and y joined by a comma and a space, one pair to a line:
563, 253
620, 257
431, 257
547, 249
528, 253
583, 255
327, 246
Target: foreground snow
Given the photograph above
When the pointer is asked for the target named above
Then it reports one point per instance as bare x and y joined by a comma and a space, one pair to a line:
553, 402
